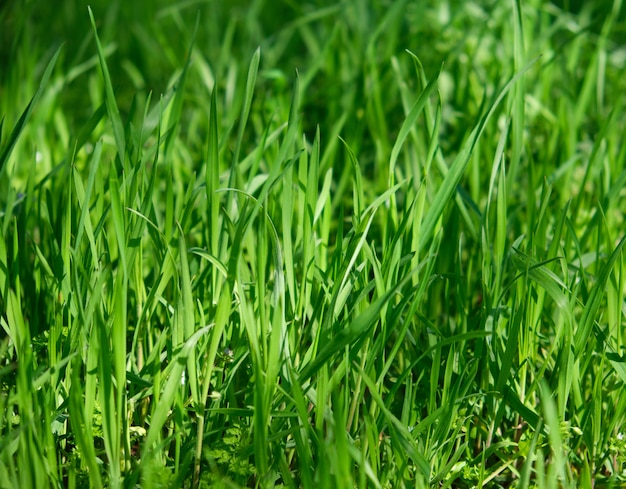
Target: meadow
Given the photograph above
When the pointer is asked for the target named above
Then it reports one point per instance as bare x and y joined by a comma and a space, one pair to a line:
364, 243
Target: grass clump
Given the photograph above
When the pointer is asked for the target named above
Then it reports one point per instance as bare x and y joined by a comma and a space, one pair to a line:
364, 244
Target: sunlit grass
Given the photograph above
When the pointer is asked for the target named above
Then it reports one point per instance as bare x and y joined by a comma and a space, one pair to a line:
362, 245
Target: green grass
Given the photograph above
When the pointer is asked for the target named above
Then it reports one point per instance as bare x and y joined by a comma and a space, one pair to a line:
357, 244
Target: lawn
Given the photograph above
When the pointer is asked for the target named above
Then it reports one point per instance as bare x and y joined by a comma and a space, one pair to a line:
348, 244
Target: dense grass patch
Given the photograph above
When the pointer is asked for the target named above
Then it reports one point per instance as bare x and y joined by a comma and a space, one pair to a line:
354, 244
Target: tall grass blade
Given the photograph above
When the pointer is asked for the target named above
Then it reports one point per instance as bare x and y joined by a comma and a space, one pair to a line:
109, 99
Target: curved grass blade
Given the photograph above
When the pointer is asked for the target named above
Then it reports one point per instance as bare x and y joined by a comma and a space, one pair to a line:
459, 164
409, 122
21, 123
